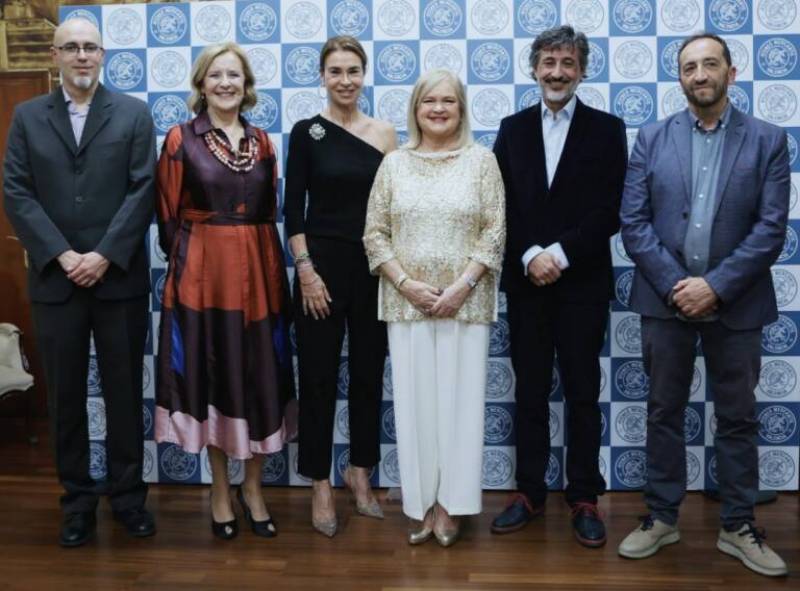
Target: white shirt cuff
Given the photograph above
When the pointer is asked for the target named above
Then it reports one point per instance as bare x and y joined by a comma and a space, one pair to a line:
557, 251
529, 255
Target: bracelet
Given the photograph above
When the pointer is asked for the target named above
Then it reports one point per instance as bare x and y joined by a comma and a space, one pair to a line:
306, 262
471, 281
303, 256
400, 280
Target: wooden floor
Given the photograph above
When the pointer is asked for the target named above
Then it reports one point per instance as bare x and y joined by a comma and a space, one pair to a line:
366, 555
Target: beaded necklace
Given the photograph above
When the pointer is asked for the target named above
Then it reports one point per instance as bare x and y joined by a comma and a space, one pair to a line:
237, 161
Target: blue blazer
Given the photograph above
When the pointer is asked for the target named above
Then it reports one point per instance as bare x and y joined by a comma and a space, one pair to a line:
751, 209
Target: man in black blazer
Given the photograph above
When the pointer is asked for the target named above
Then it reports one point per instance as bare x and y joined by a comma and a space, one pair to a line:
79, 181
563, 165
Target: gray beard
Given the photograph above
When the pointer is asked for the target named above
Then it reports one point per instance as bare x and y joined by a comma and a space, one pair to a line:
82, 82
562, 96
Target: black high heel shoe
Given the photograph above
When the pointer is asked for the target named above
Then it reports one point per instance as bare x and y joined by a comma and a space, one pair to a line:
225, 530
266, 528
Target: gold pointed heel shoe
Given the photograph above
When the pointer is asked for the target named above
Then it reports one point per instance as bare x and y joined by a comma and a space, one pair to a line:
420, 536
447, 537
369, 509
423, 533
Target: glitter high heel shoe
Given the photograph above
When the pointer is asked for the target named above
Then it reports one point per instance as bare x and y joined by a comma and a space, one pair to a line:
327, 527
369, 509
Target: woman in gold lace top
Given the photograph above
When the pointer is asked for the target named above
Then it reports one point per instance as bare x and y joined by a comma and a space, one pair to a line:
435, 233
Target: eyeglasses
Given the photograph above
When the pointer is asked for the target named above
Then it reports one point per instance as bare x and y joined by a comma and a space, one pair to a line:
75, 49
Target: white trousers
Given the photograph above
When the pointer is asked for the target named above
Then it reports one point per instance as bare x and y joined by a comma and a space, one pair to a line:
439, 382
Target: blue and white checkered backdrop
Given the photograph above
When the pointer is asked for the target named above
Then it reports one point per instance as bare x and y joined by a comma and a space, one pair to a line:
632, 73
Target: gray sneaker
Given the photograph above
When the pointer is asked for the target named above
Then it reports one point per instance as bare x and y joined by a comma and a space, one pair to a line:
747, 544
648, 538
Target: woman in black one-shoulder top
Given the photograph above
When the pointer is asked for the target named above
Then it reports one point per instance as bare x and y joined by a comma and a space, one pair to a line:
331, 164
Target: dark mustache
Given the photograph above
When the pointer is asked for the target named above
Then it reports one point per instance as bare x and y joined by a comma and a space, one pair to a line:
562, 80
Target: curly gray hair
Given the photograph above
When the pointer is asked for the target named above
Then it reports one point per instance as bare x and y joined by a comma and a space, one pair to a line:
557, 38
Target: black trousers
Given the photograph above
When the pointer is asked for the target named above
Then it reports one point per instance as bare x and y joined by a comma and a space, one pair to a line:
343, 267
120, 330
541, 325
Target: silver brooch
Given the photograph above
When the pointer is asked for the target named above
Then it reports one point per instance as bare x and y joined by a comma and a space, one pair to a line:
316, 131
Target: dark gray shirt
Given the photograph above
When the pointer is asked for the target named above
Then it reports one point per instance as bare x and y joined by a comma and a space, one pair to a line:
707, 148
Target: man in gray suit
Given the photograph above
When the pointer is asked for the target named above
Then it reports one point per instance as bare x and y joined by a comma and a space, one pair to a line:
79, 181
704, 217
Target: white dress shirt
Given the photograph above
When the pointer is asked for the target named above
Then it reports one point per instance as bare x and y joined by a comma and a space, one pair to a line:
555, 127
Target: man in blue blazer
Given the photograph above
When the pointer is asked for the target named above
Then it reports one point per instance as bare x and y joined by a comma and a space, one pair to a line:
563, 165
79, 179
704, 217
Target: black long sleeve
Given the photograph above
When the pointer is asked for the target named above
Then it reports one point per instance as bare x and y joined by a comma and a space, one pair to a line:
328, 179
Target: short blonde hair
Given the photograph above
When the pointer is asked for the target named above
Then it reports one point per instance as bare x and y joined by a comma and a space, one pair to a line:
197, 101
424, 85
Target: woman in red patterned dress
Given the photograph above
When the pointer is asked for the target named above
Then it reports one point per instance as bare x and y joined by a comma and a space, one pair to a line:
225, 369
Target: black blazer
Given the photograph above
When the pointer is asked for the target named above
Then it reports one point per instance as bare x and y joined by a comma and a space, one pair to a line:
581, 208
96, 196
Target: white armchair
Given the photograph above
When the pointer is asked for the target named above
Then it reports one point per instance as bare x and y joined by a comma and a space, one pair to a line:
14, 376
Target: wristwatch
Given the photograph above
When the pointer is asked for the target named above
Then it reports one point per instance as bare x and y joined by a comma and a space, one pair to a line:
471, 282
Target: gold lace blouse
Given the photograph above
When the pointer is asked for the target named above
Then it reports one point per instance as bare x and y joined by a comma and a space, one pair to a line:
433, 212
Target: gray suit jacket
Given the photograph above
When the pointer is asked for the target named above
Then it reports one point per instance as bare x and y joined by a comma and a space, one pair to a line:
752, 204
98, 195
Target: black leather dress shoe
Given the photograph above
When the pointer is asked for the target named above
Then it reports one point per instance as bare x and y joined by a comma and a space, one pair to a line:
138, 522
587, 524
516, 515
77, 529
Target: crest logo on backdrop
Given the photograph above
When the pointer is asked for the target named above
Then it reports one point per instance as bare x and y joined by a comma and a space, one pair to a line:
258, 21
396, 17
84, 14
443, 55
212, 23
168, 25
125, 70
349, 17
124, 26
681, 16
442, 17
634, 105
631, 468
585, 15
304, 20
777, 15
633, 16
728, 15
489, 17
